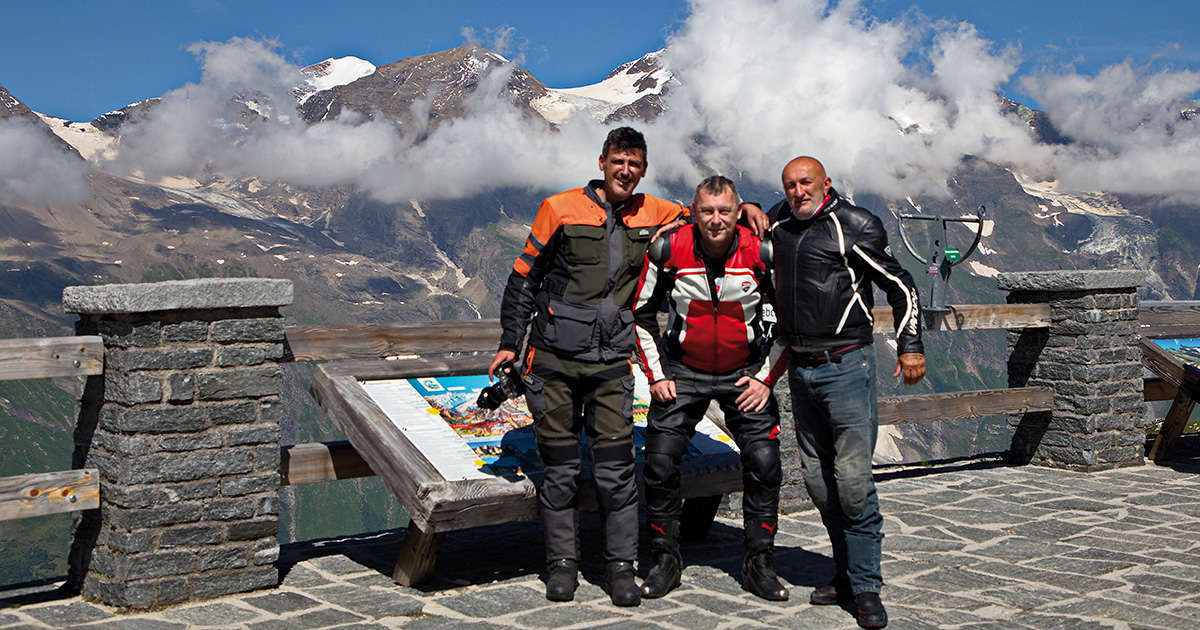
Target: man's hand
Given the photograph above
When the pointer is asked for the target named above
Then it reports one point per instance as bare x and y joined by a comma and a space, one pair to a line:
912, 365
501, 357
663, 390
756, 219
754, 397
674, 225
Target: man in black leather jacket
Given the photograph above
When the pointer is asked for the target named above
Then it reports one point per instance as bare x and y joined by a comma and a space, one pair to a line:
828, 255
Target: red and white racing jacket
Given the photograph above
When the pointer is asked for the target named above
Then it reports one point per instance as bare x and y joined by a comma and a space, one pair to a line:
716, 308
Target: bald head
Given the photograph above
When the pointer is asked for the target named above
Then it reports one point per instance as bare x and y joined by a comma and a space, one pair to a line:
806, 185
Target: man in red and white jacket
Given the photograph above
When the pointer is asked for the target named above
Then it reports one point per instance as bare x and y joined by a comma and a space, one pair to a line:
714, 280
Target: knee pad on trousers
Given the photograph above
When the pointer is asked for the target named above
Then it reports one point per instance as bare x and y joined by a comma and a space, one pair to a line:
762, 473
612, 471
761, 459
561, 468
663, 456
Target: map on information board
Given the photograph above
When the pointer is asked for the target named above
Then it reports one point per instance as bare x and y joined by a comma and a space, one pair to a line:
1188, 350
440, 416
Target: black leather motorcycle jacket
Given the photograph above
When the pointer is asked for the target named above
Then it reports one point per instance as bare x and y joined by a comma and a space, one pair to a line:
824, 269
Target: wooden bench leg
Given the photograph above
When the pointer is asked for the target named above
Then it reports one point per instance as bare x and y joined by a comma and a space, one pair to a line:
418, 556
1177, 417
698, 515
1172, 427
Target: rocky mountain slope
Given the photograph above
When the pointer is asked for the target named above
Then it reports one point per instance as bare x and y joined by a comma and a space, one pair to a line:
356, 259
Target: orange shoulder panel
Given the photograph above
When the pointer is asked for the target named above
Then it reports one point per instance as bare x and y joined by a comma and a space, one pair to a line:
566, 208
650, 211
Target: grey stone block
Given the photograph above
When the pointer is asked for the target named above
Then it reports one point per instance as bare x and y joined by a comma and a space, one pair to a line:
266, 551
229, 509
160, 419
187, 466
267, 458
240, 356
1078, 280
171, 591
268, 434
239, 486
122, 334
252, 529
232, 413
173, 295
177, 514
191, 536
116, 443
131, 389
181, 388
131, 360
240, 383
156, 564
223, 558
270, 409
247, 330
239, 581
190, 442
130, 542
185, 331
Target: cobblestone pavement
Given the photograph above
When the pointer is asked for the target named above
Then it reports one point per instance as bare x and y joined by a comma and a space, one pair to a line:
970, 547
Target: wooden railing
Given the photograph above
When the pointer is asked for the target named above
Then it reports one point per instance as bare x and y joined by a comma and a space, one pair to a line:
362, 346
48, 493
39, 494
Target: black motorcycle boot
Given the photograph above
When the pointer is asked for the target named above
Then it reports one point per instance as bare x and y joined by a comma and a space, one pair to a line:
869, 610
563, 580
758, 570
621, 584
667, 570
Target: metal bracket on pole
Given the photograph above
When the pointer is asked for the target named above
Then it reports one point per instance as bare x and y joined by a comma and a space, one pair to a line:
944, 257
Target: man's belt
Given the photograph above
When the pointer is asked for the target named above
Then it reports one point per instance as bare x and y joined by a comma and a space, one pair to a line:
807, 357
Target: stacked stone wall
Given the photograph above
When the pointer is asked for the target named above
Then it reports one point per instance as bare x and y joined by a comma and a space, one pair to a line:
1090, 355
184, 428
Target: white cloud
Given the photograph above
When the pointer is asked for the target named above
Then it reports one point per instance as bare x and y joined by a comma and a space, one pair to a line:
891, 107
34, 170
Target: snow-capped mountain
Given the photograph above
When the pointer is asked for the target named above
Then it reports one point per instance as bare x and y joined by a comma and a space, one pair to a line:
634, 90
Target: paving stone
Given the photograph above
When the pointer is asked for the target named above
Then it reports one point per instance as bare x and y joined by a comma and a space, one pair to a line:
338, 565
282, 602
559, 616
436, 622
902, 543
957, 581
325, 618
221, 614
495, 602
717, 605
1019, 548
301, 576
136, 623
370, 602
70, 614
1048, 529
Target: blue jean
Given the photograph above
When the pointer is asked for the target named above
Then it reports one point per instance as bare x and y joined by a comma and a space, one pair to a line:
837, 420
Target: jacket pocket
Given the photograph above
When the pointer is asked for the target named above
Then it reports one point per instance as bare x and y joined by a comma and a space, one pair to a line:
585, 244
637, 240
570, 328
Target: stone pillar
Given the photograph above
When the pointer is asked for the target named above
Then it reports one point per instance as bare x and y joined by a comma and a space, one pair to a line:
184, 429
1090, 356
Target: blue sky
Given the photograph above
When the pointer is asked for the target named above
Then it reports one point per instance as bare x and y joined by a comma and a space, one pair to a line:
77, 60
